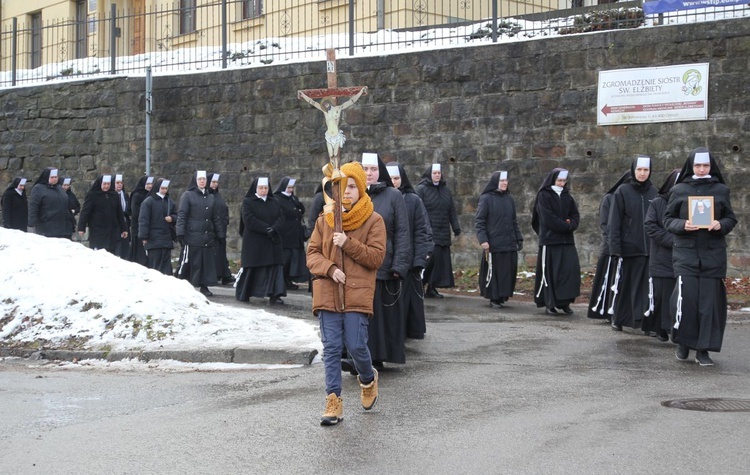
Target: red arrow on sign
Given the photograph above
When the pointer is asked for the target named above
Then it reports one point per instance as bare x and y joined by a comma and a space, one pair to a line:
663, 106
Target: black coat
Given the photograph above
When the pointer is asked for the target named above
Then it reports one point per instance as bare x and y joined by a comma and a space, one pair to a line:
389, 204
699, 253
15, 208
553, 211
496, 222
660, 261
103, 216
136, 201
292, 232
604, 207
151, 223
626, 233
421, 232
438, 201
48, 211
222, 209
198, 222
258, 248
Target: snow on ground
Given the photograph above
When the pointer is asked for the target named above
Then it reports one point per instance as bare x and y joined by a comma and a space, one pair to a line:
61, 293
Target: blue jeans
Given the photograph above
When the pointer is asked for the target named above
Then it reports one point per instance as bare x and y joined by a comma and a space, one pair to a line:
337, 330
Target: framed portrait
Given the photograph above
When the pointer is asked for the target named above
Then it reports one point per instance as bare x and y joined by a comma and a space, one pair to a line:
701, 210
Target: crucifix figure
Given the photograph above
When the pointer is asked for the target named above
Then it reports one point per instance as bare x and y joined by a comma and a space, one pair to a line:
328, 105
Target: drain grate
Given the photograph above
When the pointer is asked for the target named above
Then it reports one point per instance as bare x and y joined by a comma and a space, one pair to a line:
710, 404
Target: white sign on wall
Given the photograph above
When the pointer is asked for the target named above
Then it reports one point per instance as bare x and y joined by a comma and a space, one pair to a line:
644, 95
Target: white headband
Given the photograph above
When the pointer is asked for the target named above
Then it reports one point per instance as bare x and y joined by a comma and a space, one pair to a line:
370, 159
215, 177
107, 179
164, 184
393, 170
701, 157
149, 180
503, 175
643, 161
201, 174
292, 181
436, 167
66, 181
118, 177
53, 173
563, 175
263, 181
22, 182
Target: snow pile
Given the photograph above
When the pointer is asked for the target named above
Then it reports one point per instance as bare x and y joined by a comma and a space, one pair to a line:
59, 293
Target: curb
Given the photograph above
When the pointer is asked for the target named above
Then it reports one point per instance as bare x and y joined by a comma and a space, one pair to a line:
302, 356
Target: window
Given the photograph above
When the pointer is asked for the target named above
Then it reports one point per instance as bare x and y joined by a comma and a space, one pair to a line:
36, 40
187, 16
81, 27
251, 8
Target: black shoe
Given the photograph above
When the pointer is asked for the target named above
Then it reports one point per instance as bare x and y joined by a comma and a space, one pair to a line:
662, 336
275, 301
204, 290
346, 365
702, 358
567, 310
227, 280
496, 304
291, 286
616, 327
432, 293
378, 365
550, 311
683, 352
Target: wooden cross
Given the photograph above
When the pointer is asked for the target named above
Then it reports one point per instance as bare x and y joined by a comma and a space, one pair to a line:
334, 141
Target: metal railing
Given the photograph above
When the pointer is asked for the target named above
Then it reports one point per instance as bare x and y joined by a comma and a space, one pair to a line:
215, 34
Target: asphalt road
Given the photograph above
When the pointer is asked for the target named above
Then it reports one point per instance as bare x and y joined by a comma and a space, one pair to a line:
487, 391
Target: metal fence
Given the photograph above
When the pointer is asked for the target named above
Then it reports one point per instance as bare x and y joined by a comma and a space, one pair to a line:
215, 34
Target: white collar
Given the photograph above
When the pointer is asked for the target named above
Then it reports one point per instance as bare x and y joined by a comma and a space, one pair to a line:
261, 197
696, 177
557, 189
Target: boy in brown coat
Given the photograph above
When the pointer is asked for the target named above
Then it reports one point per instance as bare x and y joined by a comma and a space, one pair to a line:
363, 244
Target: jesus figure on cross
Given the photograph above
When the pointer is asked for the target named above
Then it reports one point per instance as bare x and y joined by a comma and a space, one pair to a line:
334, 136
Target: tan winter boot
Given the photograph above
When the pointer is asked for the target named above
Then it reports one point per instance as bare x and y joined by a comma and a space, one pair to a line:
369, 394
334, 411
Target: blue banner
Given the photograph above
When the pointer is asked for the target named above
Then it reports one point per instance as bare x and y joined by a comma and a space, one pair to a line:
651, 7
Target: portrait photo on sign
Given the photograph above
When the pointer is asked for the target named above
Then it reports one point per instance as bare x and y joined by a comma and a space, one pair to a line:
701, 210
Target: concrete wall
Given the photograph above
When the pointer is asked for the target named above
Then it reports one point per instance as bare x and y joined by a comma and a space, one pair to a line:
525, 107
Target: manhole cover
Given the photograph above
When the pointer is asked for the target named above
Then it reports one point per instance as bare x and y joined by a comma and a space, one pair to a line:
710, 404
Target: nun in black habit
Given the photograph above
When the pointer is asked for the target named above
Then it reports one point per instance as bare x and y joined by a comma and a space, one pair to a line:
661, 271
606, 267
15, 206
629, 245
554, 219
139, 194
262, 273
699, 256
387, 328
198, 231
222, 263
500, 237
156, 227
122, 247
438, 201
48, 207
73, 204
102, 215
421, 247
292, 234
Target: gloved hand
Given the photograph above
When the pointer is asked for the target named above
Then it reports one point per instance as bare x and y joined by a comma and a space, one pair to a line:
181, 240
520, 245
457, 233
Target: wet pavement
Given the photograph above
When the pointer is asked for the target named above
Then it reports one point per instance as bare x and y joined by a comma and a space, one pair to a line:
487, 391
